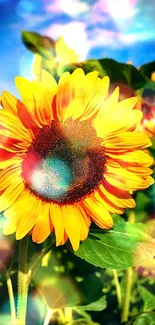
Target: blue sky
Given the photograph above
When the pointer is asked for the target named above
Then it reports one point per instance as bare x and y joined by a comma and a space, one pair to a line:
118, 29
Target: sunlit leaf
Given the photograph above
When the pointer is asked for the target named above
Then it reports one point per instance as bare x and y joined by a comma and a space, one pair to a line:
148, 298
125, 73
147, 69
37, 43
97, 305
123, 246
145, 319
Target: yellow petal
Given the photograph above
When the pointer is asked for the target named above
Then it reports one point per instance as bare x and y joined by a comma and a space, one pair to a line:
127, 141
64, 54
84, 221
12, 127
43, 226
64, 94
30, 207
95, 94
137, 158
120, 120
127, 103
134, 157
10, 176
17, 212
109, 205
79, 95
9, 102
38, 96
111, 101
9, 162
119, 198
95, 208
72, 224
58, 222
126, 180
10, 195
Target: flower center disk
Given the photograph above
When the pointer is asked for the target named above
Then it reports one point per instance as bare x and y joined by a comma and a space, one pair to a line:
65, 162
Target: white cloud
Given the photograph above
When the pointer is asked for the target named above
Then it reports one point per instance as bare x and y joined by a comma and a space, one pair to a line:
74, 35
70, 7
117, 9
103, 37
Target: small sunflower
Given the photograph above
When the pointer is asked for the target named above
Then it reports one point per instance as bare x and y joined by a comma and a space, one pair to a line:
69, 154
62, 55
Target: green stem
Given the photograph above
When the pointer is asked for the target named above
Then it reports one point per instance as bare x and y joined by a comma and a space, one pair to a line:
10, 293
127, 295
118, 289
23, 281
68, 314
11, 298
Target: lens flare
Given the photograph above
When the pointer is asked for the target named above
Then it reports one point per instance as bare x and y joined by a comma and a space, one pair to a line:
52, 178
25, 65
57, 291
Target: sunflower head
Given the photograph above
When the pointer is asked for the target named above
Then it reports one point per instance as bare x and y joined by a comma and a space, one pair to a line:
69, 154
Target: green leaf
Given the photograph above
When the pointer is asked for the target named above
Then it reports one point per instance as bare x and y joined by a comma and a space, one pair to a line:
148, 90
145, 319
118, 72
36, 43
118, 248
87, 66
125, 73
97, 305
93, 65
148, 298
60, 291
147, 69
142, 201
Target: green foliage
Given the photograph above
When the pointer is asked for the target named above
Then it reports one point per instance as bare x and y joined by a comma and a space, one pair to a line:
145, 319
142, 201
97, 305
148, 298
62, 290
123, 246
125, 73
37, 43
147, 69
118, 72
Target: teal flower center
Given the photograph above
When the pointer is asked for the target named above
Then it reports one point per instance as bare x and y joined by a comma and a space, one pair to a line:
65, 162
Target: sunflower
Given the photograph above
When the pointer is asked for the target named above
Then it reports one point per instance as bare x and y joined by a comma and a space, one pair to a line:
62, 56
69, 154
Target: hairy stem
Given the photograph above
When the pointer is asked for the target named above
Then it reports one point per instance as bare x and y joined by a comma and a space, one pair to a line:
118, 289
127, 295
23, 281
11, 297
